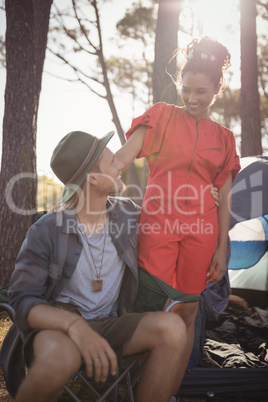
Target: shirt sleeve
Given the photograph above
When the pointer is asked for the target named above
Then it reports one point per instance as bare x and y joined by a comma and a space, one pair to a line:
156, 120
29, 279
231, 163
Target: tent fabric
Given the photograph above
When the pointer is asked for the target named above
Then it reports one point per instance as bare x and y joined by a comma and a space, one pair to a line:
245, 254
264, 221
249, 242
255, 277
225, 381
250, 190
248, 266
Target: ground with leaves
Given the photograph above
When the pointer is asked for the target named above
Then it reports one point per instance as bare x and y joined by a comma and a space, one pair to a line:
5, 323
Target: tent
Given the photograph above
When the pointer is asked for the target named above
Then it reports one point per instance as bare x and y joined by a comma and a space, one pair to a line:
248, 265
250, 190
235, 372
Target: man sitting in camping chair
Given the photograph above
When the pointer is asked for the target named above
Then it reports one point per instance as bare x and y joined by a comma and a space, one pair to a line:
76, 280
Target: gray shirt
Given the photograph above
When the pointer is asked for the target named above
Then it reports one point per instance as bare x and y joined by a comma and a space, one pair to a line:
51, 251
99, 260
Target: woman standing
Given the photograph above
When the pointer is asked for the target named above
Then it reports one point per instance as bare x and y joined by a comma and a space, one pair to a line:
187, 153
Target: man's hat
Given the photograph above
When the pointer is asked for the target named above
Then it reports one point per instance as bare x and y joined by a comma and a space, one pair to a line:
73, 158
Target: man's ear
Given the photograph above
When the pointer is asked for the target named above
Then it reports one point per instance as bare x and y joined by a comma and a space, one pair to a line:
217, 89
91, 179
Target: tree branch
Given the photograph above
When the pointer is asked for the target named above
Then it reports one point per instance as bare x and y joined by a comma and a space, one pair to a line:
82, 27
262, 81
260, 3
74, 68
71, 36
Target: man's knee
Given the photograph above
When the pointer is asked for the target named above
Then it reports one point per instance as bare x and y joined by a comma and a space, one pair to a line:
171, 330
56, 352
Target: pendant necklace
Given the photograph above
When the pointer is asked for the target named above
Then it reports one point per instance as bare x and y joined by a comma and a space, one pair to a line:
97, 283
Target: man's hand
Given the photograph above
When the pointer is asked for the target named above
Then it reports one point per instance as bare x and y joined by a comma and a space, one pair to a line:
215, 195
94, 349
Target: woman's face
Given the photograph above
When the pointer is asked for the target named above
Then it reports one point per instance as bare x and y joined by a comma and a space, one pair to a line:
197, 94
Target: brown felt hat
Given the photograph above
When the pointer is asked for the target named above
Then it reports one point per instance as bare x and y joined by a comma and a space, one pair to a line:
73, 158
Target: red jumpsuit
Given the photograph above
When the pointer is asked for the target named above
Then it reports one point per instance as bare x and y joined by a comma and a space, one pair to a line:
178, 227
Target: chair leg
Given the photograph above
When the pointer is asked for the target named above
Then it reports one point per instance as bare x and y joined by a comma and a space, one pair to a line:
71, 394
129, 386
88, 384
112, 388
117, 381
116, 389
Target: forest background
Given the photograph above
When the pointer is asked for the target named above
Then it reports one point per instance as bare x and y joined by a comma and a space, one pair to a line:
93, 65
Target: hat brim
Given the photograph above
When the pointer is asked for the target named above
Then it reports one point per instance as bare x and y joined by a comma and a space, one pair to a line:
70, 190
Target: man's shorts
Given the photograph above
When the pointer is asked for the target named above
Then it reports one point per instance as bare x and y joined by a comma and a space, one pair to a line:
116, 330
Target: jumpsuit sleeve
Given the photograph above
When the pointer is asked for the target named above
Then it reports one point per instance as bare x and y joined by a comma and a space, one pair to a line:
231, 163
156, 119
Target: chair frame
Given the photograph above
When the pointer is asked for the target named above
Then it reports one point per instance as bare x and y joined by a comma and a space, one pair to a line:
122, 374
79, 375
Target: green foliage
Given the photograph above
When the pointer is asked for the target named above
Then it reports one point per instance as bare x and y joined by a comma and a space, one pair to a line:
124, 71
134, 74
262, 52
2, 52
226, 109
138, 23
263, 64
143, 173
48, 193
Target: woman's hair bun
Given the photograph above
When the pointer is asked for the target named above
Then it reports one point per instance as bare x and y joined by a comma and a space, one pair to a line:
209, 50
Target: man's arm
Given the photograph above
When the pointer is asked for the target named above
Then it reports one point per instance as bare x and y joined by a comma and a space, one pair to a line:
90, 344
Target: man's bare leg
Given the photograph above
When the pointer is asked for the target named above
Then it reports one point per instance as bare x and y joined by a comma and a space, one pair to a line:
56, 359
164, 336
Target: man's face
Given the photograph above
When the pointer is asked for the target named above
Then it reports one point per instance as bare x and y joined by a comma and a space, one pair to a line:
109, 178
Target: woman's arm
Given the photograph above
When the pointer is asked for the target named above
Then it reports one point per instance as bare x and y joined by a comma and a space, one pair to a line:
219, 259
132, 147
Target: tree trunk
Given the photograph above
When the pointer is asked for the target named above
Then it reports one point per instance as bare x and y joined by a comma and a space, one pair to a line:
166, 42
26, 38
249, 95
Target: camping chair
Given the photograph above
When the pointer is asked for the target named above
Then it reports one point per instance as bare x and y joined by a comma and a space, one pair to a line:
14, 371
154, 295
13, 364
